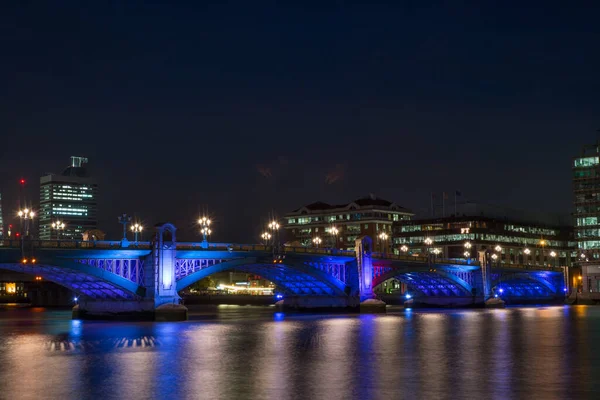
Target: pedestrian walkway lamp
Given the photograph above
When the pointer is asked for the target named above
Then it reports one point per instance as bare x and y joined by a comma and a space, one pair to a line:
58, 226
136, 229
383, 237
334, 232
317, 241
553, 255
124, 220
527, 253
205, 230
274, 227
26, 215
266, 237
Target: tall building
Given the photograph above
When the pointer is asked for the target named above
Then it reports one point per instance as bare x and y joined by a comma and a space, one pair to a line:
365, 216
71, 198
1, 219
586, 191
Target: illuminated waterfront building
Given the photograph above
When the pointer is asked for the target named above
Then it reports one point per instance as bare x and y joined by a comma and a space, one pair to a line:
514, 239
1, 219
586, 191
340, 225
70, 198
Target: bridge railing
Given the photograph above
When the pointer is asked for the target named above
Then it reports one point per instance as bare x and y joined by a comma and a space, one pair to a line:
71, 244
317, 250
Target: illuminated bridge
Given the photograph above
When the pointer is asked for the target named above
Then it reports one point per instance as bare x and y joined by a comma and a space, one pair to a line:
114, 277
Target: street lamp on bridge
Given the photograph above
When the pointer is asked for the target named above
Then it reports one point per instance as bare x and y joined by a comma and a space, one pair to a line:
266, 237
58, 226
136, 229
334, 232
205, 230
527, 253
124, 220
383, 237
274, 226
553, 255
317, 241
25, 216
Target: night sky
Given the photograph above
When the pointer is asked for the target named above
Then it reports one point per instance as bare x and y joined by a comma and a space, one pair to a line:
242, 109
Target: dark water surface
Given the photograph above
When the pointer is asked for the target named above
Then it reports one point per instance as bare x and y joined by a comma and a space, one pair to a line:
232, 352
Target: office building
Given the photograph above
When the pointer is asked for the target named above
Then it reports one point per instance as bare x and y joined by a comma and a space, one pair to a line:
2, 233
70, 198
586, 192
325, 225
513, 238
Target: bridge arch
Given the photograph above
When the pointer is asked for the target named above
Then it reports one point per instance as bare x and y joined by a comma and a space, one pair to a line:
295, 278
524, 285
84, 280
428, 283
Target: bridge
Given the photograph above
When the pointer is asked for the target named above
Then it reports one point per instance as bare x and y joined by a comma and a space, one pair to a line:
115, 278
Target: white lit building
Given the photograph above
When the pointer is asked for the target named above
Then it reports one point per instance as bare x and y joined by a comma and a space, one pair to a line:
71, 198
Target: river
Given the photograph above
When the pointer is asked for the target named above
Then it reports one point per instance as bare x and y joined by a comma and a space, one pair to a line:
236, 352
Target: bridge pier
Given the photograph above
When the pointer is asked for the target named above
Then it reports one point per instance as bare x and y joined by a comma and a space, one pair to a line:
368, 302
159, 301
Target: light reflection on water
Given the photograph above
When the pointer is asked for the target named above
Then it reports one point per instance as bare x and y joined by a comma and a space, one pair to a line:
253, 352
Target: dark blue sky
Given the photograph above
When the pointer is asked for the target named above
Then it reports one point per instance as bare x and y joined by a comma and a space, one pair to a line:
244, 109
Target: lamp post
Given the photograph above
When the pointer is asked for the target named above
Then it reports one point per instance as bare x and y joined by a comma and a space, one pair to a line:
498, 250
124, 220
136, 228
25, 216
436, 252
317, 241
205, 230
383, 237
404, 248
428, 242
553, 255
274, 227
467, 252
334, 232
266, 237
527, 252
58, 226
543, 243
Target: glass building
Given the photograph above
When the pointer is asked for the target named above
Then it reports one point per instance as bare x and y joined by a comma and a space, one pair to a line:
71, 198
586, 191
1, 219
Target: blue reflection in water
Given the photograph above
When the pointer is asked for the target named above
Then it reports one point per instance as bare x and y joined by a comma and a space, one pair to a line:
511, 353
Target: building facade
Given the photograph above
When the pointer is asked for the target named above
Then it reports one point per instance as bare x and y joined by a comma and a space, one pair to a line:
513, 241
324, 225
69, 198
2, 232
586, 193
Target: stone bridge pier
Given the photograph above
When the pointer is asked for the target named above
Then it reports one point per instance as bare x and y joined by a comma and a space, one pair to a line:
156, 299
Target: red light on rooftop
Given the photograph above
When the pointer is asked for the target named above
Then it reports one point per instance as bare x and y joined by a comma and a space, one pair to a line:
22, 181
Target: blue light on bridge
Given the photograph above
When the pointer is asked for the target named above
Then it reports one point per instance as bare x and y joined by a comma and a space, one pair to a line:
495, 295
564, 289
501, 290
408, 296
75, 299
279, 296
278, 316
